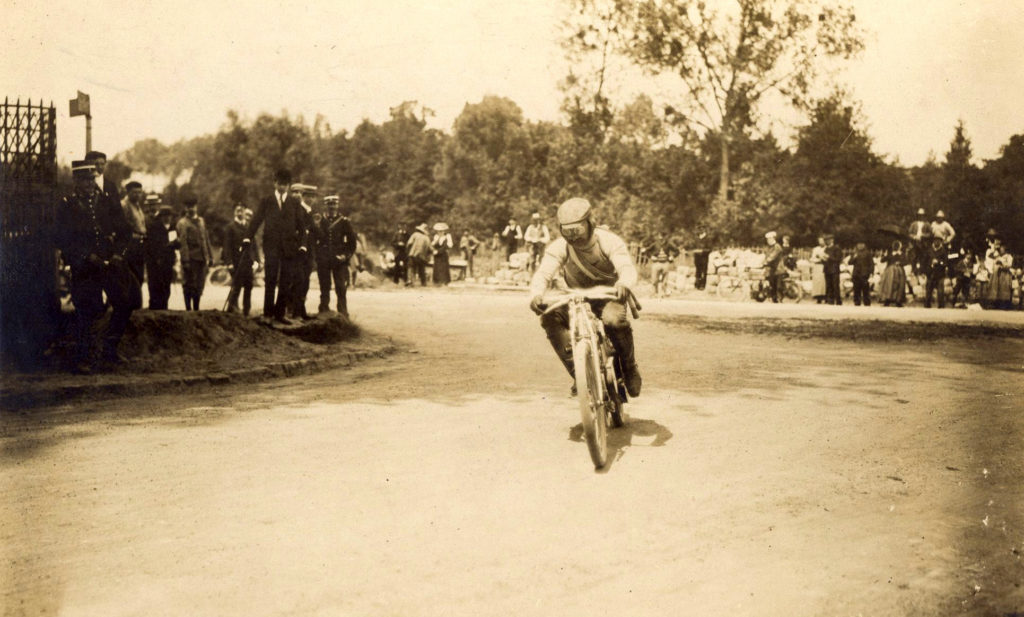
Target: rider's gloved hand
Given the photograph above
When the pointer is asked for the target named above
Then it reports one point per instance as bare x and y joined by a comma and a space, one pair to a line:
537, 304
621, 292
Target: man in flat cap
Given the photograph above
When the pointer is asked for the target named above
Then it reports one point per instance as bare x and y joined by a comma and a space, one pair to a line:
196, 252
92, 234
284, 243
335, 245
134, 212
161, 246
773, 266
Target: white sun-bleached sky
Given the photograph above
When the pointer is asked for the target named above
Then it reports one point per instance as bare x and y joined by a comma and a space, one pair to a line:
171, 69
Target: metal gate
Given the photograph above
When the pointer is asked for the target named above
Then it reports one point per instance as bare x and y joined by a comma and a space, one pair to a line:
29, 303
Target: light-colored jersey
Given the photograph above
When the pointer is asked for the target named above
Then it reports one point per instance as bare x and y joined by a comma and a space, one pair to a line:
943, 230
537, 233
605, 261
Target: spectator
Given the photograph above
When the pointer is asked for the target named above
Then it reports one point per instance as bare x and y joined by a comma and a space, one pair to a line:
892, 287
863, 262
440, 246
773, 267
661, 252
511, 235
335, 244
468, 244
537, 237
833, 257
419, 254
307, 262
196, 253
238, 259
700, 251
400, 271
284, 243
938, 262
818, 256
942, 230
92, 235
161, 244
920, 232
964, 273
999, 264
132, 207
107, 188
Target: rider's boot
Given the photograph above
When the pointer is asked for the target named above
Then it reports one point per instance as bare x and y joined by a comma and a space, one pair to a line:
622, 341
562, 345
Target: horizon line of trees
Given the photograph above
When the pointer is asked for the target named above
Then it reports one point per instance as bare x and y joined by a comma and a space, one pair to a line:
495, 164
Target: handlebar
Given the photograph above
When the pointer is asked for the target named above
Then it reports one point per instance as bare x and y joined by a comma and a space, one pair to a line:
561, 298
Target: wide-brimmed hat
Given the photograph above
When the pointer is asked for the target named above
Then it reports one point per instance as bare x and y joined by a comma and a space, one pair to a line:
422, 227
770, 234
165, 209
920, 211
940, 214
440, 226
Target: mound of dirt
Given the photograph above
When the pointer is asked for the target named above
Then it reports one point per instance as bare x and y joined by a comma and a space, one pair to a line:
198, 341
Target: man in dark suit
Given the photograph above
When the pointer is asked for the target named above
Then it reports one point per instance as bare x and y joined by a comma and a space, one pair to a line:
335, 244
307, 199
93, 236
108, 188
161, 244
284, 245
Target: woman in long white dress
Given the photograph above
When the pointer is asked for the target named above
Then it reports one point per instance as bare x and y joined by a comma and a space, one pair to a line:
818, 257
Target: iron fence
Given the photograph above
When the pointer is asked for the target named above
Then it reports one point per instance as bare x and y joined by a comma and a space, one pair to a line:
29, 304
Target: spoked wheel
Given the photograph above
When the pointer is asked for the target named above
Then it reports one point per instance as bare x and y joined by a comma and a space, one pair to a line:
592, 401
791, 291
730, 288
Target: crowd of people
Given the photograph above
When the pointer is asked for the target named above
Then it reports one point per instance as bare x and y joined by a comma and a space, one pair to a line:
113, 245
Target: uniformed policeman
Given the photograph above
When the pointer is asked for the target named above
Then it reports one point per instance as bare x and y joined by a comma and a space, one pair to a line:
335, 244
93, 234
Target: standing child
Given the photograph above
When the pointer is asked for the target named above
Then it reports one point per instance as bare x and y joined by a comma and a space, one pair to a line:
863, 262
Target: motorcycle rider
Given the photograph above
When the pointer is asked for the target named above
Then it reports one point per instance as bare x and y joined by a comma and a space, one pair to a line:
588, 256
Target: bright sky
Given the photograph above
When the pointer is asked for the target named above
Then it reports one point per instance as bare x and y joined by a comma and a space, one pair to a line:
170, 69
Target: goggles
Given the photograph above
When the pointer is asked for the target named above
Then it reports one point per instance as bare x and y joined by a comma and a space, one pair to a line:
574, 231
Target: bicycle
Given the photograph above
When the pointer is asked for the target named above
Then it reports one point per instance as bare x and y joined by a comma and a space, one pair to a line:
599, 373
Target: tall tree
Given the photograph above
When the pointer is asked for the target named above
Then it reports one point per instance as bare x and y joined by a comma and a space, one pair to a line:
961, 196
728, 60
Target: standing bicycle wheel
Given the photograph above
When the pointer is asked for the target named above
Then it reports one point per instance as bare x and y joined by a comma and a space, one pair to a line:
731, 288
592, 399
790, 291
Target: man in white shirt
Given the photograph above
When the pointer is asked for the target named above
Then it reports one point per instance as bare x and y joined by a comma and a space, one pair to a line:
537, 237
588, 256
942, 229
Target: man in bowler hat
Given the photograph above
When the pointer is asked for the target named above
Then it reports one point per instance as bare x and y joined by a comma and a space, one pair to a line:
284, 243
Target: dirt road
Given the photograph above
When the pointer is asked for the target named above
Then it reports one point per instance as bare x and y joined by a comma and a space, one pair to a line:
760, 473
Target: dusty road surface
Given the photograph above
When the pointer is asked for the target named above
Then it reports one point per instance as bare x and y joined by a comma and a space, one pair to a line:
773, 469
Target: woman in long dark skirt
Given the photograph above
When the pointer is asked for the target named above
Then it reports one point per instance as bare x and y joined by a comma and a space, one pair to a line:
892, 287
441, 245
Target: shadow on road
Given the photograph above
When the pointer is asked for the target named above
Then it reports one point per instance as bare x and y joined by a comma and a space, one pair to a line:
620, 439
